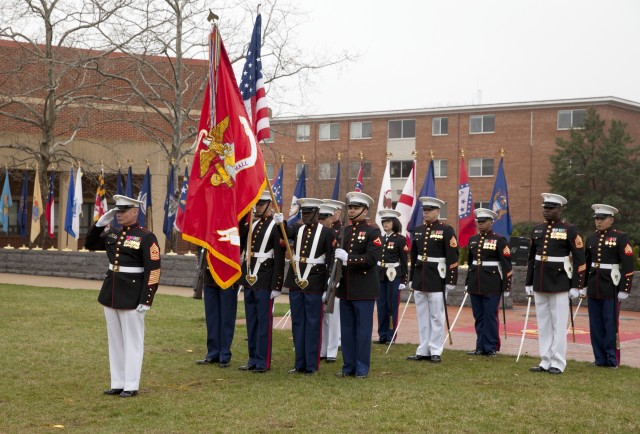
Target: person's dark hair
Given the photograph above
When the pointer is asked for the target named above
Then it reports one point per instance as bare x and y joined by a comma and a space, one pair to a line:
396, 226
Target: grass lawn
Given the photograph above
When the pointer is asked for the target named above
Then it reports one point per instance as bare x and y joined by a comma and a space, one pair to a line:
55, 366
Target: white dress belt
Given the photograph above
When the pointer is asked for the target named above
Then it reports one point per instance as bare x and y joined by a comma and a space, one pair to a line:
431, 259
267, 255
487, 263
545, 258
394, 265
304, 260
605, 266
121, 269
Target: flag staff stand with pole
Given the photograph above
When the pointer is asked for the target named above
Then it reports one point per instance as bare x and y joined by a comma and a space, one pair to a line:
171, 252
189, 252
52, 248
8, 246
80, 171
43, 237
24, 246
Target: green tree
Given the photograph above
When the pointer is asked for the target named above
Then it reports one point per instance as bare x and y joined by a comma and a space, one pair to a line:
595, 165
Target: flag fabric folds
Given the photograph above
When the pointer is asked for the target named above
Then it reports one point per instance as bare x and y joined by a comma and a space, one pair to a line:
170, 205
22, 207
300, 191
336, 186
129, 187
407, 202
144, 215
182, 202
277, 187
228, 173
36, 208
100, 206
428, 189
359, 179
50, 213
120, 191
500, 204
466, 218
385, 201
252, 86
77, 203
7, 202
68, 217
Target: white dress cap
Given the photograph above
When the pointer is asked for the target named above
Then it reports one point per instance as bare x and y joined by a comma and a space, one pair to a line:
124, 202
432, 202
265, 195
359, 198
308, 202
484, 213
386, 214
327, 209
553, 199
602, 210
336, 203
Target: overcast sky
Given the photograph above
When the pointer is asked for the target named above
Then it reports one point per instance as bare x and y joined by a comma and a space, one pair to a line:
423, 53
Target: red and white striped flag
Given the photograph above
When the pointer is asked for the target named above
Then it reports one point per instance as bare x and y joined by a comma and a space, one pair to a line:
252, 86
407, 202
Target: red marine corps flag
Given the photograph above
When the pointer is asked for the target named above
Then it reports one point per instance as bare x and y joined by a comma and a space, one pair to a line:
228, 171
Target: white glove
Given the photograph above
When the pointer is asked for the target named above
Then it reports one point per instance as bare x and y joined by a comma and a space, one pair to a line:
342, 255
410, 286
449, 288
583, 292
274, 294
466, 288
143, 308
574, 293
325, 295
507, 294
529, 290
106, 218
278, 218
401, 286
623, 295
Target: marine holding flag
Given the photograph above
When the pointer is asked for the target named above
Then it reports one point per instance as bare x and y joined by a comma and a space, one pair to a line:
228, 171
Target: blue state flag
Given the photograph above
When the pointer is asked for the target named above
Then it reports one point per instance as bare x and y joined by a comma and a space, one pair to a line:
428, 189
120, 191
145, 197
500, 205
170, 206
277, 187
68, 218
22, 207
336, 186
300, 192
7, 202
129, 187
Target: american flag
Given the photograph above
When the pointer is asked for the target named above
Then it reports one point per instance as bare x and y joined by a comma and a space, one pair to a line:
252, 86
466, 220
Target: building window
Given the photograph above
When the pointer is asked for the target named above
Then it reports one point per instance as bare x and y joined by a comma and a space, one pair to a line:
444, 212
354, 168
440, 168
400, 169
270, 170
327, 170
329, 132
271, 137
440, 126
403, 129
360, 130
303, 133
480, 166
479, 124
299, 167
481, 204
571, 119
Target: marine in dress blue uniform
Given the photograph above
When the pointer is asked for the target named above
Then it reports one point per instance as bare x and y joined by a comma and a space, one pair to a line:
360, 253
551, 274
609, 260
313, 250
434, 272
393, 271
488, 277
128, 290
262, 279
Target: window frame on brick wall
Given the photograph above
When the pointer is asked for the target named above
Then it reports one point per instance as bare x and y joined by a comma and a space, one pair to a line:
437, 167
357, 130
436, 126
484, 128
403, 134
481, 204
354, 168
573, 123
271, 137
331, 168
269, 167
302, 137
402, 166
473, 165
334, 131
299, 167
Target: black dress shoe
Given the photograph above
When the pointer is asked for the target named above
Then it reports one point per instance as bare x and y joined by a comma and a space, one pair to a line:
309, 373
474, 353
436, 359
330, 360
296, 371
491, 354
206, 361
343, 375
554, 371
224, 364
113, 391
595, 364
537, 369
361, 377
380, 341
418, 357
247, 367
128, 393
259, 370
323, 357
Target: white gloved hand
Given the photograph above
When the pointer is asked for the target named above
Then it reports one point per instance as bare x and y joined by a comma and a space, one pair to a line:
449, 288
143, 308
466, 288
529, 290
106, 218
410, 286
623, 295
401, 286
507, 294
342, 255
274, 294
583, 292
325, 295
278, 218
574, 293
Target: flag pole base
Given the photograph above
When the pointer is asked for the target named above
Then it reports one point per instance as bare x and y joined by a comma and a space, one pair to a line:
9, 247
171, 253
37, 248
24, 247
66, 249
189, 253
83, 250
52, 248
